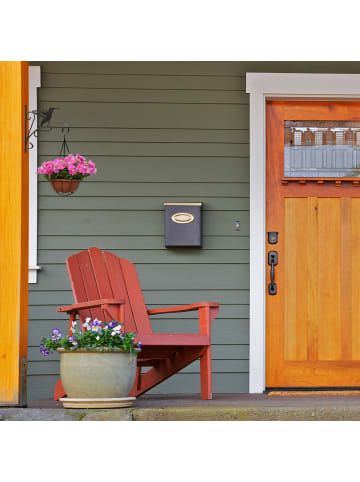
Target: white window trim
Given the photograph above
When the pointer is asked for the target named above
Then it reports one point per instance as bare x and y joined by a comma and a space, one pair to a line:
261, 87
34, 83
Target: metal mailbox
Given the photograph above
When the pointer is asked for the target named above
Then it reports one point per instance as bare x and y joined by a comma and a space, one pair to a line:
183, 224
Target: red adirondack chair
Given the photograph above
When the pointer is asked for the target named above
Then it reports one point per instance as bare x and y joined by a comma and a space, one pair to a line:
107, 287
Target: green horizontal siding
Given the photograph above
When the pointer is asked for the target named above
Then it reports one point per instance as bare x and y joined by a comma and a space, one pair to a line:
156, 256
139, 203
130, 96
74, 80
192, 171
163, 277
134, 242
149, 149
146, 115
188, 190
133, 223
165, 135
195, 69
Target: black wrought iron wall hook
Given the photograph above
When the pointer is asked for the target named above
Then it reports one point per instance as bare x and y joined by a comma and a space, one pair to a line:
31, 124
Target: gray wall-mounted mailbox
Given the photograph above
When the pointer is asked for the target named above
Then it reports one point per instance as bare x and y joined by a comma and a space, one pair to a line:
183, 224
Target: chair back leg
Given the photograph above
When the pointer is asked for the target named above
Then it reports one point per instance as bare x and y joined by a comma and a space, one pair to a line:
59, 391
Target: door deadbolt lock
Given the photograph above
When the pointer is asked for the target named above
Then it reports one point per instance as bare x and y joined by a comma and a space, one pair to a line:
272, 237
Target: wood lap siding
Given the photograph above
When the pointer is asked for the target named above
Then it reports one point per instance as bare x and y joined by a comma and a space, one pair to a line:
157, 135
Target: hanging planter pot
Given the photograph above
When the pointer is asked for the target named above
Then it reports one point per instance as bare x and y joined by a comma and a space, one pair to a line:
66, 173
65, 187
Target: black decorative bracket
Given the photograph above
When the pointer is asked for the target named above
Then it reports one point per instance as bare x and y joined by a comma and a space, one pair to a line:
31, 128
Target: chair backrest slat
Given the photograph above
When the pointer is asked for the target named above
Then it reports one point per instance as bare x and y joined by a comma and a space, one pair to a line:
117, 281
89, 283
77, 284
95, 274
101, 278
136, 297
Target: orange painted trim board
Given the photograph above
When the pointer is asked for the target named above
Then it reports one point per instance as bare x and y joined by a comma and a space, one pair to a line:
14, 198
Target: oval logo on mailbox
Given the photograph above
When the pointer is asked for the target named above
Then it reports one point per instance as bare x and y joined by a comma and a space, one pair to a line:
182, 218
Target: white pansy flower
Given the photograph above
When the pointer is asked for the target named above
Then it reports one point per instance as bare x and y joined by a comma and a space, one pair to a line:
98, 337
86, 324
73, 327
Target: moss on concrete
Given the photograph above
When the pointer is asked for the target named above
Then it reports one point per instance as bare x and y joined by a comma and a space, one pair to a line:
114, 414
219, 413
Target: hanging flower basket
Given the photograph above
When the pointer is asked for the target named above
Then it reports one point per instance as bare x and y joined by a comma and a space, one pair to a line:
65, 187
66, 173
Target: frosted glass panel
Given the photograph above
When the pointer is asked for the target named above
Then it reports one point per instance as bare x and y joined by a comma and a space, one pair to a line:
322, 149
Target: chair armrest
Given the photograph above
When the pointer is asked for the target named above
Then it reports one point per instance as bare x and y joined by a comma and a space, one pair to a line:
207, 314
89, 304
174, 309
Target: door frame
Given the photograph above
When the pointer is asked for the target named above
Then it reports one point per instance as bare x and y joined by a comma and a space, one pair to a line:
263, 87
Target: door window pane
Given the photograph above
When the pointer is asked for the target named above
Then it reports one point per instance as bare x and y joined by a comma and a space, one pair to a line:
322, 149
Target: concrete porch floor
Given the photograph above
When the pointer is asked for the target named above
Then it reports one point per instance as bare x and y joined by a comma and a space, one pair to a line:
223, 407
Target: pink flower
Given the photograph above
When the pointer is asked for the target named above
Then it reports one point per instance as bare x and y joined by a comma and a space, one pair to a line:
74, 165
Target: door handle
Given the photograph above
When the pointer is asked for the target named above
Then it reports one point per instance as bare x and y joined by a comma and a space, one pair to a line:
272, 261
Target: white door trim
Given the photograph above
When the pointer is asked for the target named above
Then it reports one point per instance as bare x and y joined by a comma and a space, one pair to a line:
261, 87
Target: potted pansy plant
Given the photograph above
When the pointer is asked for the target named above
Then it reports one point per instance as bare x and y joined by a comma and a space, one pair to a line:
65, 173
97, 363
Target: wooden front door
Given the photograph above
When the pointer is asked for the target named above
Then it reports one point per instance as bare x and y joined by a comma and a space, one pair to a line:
313, 203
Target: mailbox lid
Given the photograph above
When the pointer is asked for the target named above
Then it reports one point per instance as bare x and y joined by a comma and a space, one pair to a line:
183, 224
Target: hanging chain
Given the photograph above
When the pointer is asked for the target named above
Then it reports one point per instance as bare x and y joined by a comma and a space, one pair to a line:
64, 146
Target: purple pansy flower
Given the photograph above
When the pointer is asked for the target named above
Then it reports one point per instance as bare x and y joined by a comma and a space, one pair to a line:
56, 335
73, 341
112, 324
139, 344
95, 325
43, 351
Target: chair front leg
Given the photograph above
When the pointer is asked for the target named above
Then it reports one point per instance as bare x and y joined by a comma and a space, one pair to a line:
205, 359
205, 374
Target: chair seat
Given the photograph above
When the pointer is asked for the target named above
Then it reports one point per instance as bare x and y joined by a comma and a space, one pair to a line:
173, 339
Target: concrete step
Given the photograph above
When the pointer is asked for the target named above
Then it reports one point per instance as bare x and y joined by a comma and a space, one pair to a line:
190, 413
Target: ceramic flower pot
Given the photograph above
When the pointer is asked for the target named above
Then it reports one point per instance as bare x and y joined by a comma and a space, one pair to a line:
65, 187
91, 374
